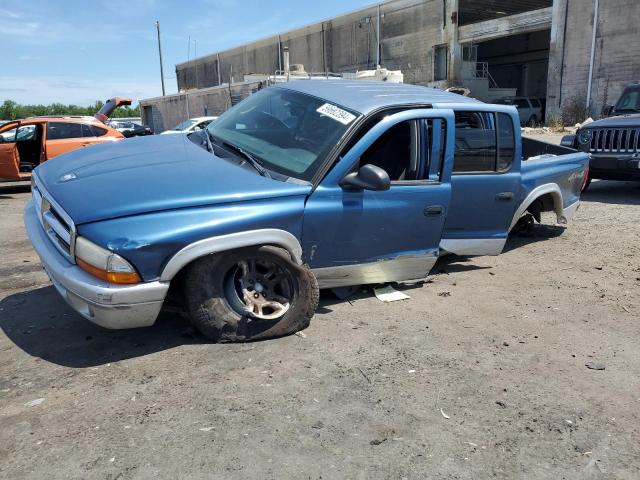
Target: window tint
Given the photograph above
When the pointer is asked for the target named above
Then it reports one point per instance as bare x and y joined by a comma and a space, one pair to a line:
536, 102
86, 131
521, 103
396, 152
506, 142
98, 131
475, 142
60, 130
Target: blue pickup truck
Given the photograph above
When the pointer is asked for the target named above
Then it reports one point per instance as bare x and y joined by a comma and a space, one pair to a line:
302, 186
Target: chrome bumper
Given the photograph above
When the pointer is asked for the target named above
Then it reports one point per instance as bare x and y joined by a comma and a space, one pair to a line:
108, 305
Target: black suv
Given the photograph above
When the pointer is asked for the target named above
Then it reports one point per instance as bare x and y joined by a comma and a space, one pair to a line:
614, 142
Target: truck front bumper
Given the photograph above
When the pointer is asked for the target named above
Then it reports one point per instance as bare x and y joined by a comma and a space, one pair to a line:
108, 305
624, 167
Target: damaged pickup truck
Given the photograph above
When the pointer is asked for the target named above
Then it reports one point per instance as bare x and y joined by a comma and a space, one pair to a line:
301, 186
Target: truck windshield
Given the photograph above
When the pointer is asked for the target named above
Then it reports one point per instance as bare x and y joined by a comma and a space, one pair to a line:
285, 131
629, 101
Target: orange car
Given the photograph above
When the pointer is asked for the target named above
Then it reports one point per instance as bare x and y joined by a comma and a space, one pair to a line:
24, 144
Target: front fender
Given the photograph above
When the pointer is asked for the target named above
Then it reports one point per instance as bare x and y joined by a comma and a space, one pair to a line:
159, 244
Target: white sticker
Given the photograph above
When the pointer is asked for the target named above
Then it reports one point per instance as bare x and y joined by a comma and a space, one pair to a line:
336, 113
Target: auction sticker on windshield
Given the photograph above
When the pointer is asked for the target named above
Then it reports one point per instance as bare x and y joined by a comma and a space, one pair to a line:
336, 113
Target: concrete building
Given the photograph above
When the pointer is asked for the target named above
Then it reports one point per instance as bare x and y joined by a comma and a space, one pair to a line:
496, 48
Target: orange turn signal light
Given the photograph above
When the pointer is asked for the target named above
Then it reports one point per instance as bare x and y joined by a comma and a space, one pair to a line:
111, 277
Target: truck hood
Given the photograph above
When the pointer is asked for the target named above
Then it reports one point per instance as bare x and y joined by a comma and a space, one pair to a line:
153, 173
620, 121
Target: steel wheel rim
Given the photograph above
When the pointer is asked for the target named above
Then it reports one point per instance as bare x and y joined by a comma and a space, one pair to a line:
260, 288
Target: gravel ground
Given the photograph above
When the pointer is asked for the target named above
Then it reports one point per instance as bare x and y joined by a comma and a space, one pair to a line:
481, 374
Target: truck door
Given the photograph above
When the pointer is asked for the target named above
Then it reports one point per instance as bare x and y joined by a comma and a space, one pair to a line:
9, 158
485, 181
358, 235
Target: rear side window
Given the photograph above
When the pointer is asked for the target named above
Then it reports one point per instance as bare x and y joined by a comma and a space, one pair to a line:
60, 130
97, 131
475, 142
522, 103
536, 102
485, 142
86, 131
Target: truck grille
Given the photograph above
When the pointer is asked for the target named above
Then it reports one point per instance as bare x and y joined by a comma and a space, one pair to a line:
615, 140
55, 222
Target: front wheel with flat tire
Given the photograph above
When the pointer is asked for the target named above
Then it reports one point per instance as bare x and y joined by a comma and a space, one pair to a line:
251, 293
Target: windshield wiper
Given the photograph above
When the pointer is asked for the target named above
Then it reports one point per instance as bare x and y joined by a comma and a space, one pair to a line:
249, 159
208, 139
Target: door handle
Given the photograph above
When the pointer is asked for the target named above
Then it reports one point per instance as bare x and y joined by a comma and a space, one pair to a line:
506, 196
433, 211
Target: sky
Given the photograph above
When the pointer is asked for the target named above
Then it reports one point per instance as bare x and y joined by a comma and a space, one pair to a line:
78, 52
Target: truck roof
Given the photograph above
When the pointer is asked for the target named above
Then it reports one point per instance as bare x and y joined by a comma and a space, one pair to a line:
367, 96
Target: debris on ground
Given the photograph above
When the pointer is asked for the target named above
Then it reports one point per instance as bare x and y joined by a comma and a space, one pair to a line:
595, 366
300, 334
444, 414
206, 429
501, 403
444, 294
345, 292
34, 403
389, 294
318, 425
376, 441
586, 122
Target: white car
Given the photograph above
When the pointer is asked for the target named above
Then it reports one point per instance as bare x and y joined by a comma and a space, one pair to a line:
191, 125
529, 109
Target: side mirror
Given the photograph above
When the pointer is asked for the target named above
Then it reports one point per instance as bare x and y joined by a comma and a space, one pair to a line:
607, 110
369, 177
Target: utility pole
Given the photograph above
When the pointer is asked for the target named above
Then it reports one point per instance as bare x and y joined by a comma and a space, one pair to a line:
379, 40
160, 54
593, 52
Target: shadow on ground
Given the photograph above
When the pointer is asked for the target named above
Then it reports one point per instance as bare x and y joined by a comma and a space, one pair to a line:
40, 323
540, 233
14, 187
619, 193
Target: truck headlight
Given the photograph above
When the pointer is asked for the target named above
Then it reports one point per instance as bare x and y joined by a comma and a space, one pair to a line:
104, 264
584, 136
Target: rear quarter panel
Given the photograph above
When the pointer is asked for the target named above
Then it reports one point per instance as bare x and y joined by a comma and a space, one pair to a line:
566, 171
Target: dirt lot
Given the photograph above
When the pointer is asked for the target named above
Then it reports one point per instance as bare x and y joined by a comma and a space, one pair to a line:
481, 374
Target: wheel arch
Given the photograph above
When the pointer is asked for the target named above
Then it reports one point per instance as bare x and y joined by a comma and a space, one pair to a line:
232, 241
549, 193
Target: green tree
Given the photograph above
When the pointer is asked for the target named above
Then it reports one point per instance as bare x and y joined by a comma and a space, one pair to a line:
10, 110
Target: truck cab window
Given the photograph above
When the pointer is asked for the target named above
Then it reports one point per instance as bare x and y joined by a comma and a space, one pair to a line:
506, 142
396, 151
475, 142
